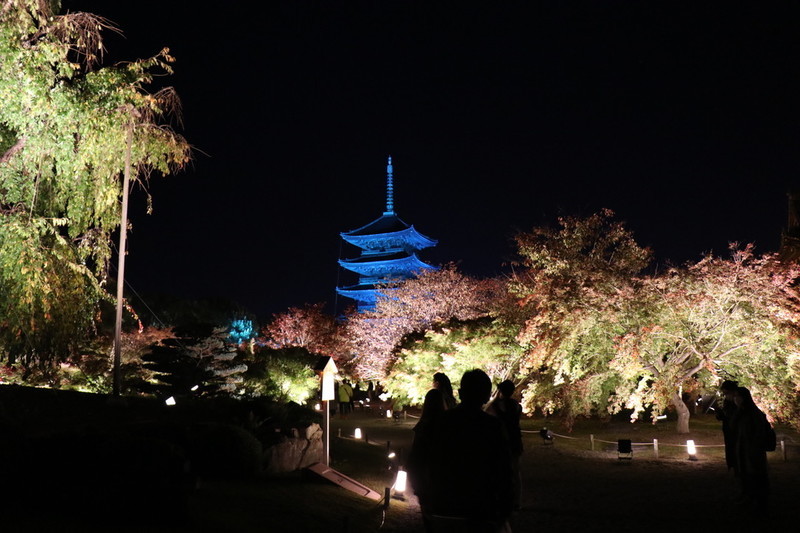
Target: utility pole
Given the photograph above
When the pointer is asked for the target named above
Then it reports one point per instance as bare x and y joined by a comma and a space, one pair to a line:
123, 232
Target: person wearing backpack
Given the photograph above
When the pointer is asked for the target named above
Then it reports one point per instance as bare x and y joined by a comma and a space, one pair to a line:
750, 428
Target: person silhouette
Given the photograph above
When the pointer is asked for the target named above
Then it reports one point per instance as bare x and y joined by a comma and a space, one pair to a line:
345, 393
419, 459
509, 411
470, 468
442, 383
750, 427
725, 414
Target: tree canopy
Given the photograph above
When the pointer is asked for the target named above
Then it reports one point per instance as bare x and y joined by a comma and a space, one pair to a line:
66, 123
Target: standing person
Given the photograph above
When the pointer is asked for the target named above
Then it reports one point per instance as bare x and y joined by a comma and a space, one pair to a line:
509, 411
471, 462
442, 383
725, 413
345, 394
750, 427
419, 459
437, 400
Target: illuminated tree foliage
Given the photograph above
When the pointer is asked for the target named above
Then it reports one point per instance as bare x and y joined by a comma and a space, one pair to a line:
64, 127
603, 337
284, 374
453, 348
199, 360
434, 297
570, 284
306, 327
718, 318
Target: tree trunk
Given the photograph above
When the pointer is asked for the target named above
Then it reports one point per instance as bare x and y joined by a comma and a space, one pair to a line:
683, 414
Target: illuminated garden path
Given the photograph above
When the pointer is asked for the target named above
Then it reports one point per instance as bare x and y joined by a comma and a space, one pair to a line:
570, 489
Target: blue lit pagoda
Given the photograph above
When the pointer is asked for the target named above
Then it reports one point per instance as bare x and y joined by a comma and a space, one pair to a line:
389, 249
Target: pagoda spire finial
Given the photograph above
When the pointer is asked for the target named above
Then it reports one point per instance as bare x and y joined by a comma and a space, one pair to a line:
389, 189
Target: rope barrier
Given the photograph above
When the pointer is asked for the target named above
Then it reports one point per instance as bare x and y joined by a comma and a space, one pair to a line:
632, 443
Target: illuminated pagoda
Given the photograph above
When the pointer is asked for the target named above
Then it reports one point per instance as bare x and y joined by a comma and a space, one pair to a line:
389, 249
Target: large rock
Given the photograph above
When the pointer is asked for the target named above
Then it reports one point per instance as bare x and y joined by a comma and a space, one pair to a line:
295, 451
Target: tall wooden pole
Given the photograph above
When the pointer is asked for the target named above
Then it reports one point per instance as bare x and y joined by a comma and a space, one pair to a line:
326, 443
123, 232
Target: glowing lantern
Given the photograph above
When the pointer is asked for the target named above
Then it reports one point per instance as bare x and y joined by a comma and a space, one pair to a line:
357, 433
691, 450
400, 484
170, 400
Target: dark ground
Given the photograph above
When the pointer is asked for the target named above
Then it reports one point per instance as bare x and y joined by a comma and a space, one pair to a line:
569, 488
566, 486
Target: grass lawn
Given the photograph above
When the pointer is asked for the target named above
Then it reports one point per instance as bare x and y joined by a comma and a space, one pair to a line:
567, 486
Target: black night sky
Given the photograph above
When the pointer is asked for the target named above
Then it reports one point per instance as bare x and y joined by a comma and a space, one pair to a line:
682, 117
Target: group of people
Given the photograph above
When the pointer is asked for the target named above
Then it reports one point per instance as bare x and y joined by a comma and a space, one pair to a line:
745, 430
464, 461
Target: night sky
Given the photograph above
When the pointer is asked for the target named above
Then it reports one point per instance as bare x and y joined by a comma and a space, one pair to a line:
682, 117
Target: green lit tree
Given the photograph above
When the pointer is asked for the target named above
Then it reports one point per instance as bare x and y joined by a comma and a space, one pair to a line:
572, 283
691, 327
282, 374
66, 126
453, 348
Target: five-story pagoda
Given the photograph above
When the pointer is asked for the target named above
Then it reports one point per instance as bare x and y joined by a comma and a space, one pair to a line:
389, 249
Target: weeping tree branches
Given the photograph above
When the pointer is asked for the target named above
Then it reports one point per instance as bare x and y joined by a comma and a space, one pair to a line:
64, 122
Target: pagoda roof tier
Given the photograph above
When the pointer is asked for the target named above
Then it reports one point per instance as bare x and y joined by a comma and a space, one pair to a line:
388, 232
390, 265
360, 293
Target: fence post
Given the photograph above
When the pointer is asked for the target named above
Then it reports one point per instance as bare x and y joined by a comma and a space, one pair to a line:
655, 448
783, 449
591, 440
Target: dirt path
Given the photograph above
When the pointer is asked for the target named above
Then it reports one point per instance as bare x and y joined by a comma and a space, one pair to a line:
571, 490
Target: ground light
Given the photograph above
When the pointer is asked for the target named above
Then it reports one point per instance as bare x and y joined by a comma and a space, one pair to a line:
357, 433
399, 486
388, 413
691, 449
170, 400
